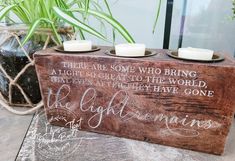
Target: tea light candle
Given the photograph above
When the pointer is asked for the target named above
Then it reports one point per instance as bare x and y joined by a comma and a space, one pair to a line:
195, 53
130, 50
77, 45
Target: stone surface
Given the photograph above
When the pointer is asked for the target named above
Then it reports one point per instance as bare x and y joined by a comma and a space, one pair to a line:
154, 99
13, 128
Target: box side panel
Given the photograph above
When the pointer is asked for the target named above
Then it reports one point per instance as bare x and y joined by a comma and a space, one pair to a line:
181, 105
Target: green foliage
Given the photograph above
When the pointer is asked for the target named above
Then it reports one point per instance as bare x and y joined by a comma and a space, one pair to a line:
110, 20
52, 13
67, 17
233, 9
157, 15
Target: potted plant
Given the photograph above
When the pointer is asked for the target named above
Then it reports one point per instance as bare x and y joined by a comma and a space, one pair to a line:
43, 23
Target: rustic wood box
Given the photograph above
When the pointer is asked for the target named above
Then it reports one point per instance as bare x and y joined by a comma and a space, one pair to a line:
156, 99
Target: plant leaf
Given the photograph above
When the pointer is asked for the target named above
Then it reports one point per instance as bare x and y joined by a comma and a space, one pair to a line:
5, 10
111, 15
112, 22
61, 4
75, 22
107, 6
157, 15
33, 28
87, 3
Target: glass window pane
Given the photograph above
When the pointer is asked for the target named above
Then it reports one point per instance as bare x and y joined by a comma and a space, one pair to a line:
207, 24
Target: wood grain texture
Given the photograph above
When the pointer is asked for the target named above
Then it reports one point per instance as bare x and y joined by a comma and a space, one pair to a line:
97, 147
156, 99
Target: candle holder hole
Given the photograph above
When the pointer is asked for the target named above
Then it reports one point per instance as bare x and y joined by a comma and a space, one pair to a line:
148, 53
61, 50
216, 57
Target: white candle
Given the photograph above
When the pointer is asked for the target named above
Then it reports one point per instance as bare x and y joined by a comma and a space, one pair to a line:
130, 50
195, 53
77, 45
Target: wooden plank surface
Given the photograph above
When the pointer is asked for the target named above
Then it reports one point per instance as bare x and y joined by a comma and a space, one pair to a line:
156, 99
96, 147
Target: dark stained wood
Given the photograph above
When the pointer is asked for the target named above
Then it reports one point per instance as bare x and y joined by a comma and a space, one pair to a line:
114, 96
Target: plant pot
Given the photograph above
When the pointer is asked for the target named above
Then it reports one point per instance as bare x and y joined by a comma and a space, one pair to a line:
18, 80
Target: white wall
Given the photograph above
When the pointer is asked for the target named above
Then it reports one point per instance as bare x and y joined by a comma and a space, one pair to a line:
138, 18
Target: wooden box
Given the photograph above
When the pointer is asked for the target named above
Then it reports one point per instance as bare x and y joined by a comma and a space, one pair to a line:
155, 99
